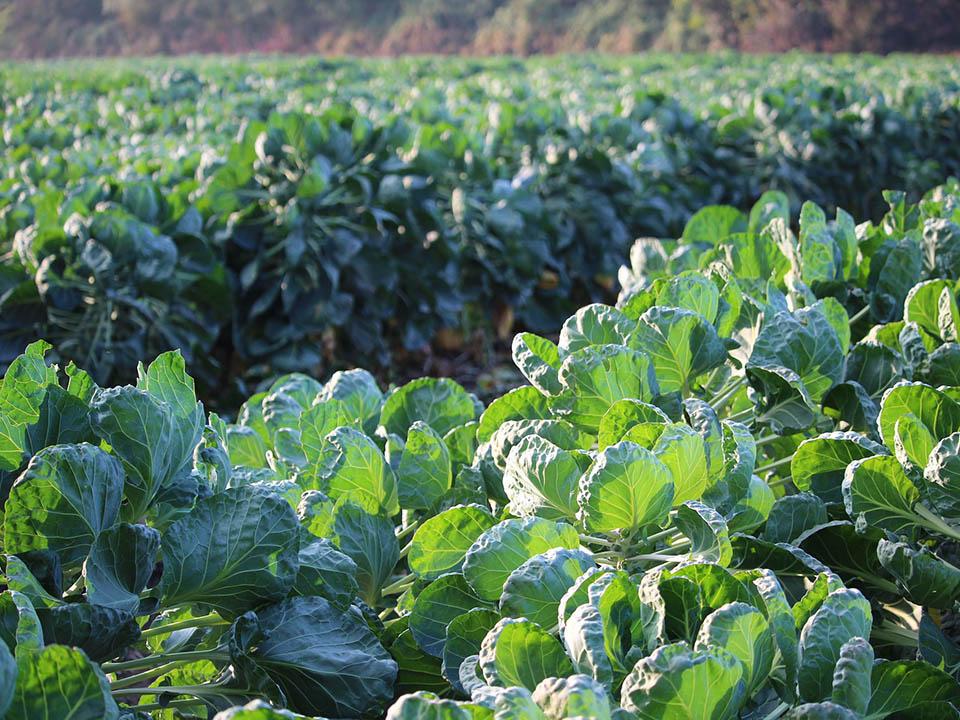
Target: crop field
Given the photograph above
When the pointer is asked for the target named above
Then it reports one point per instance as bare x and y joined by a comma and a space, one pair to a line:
718, 479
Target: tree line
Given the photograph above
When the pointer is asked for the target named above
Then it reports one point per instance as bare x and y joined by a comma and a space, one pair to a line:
50, 28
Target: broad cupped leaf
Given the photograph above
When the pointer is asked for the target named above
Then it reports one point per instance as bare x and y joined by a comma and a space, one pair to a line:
63, 501
60, 682
678, 683
541, 479
234, 551
326, 661
507, 545
627, 488
441, 543
517, 652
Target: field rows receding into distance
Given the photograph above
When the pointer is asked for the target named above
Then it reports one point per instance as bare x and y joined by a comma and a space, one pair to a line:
724, 481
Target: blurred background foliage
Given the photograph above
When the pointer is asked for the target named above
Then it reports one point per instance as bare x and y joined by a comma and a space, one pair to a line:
45, 28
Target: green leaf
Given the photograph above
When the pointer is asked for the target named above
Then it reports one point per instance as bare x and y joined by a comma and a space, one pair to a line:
446, 598
368, 539
783, 629
101, 632
534, 589
852, 676
594, 324
684, 452
60, 682
682, 345
517, 652
818, 464
894, 269
425, 472
315, 423
844, 614
325, 571
427, 706
905, 685
440, 403
677, 682
745, 632
877, 493
757, 255
355, 391
143, 433
942, 474
522, 403
234, 551
539, 361
712, 224
19, 624
441, 543
707, 531
793, 515
465, 634
507, 545
921, 305
62, 419
912, 441
924, 578
691, 291
8, 678
325, 661
574, 696
24, 383
65, 498
120, 564
627, 488
166, 379
541, 479
624, 415
596, 377
934, 409
805, 345
821, 711
350, 465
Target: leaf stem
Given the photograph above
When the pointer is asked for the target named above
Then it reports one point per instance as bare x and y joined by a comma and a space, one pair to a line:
859, 314
412, 527
198, 691
150, 674
399, 586
774, 465
177, 702
593, 540
721, 401
211, 620
767, 439
777, 711
153, 660
935, 522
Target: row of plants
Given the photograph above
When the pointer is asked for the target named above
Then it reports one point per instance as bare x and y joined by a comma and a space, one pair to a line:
307, 215
729, 495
